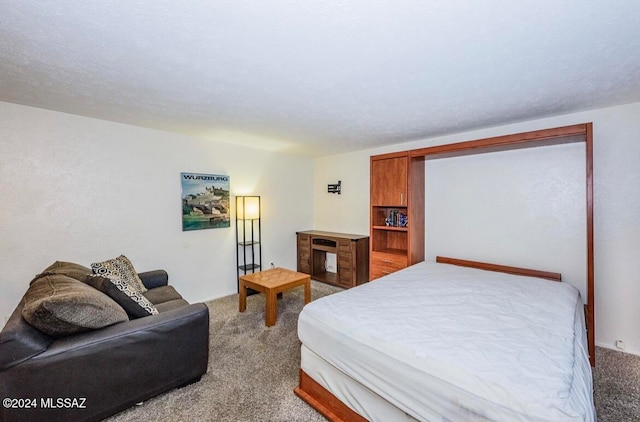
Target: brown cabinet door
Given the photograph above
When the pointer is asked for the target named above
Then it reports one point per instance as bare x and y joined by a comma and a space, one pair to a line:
389, 181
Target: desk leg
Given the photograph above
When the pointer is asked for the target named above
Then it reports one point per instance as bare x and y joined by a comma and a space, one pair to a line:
272, 308
242, 305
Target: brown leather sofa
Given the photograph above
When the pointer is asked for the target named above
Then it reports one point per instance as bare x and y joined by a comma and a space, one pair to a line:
95, 374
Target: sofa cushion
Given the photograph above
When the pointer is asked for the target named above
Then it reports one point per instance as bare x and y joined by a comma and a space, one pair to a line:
165, 298
162, 294
132, 301
119, 268
59, 305
76, 271
171, 304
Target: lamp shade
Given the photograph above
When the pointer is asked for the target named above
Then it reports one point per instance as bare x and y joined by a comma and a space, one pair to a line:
247, 207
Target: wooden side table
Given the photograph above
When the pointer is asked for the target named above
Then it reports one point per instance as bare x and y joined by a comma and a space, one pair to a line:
271, 282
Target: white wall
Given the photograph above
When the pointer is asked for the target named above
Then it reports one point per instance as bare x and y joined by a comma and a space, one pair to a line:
80, 189
83, 190
525, 208
540, 220
349, 211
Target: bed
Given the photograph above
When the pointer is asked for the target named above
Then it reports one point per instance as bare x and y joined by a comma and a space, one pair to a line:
442, 342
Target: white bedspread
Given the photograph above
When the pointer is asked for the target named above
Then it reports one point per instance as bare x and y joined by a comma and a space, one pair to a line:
441, 341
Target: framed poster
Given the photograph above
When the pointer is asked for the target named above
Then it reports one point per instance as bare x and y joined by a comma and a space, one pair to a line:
205, 201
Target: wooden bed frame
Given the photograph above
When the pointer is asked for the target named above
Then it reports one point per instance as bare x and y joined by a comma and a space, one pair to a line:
335, 410
500, 268
324, 402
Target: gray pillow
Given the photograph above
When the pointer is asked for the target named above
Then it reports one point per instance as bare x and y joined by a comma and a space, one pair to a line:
132, 301
120, 268
59, 306
76, 271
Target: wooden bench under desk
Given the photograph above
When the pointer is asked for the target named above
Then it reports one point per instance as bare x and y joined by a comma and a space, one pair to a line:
352, 257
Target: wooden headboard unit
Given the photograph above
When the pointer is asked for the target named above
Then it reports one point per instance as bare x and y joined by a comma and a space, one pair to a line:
500, 268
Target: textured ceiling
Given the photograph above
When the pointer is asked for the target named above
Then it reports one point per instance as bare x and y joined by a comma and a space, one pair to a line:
319, 77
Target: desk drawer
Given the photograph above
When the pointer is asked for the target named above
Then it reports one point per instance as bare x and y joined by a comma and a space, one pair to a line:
344, 245
304, 253
344, 259
345, 277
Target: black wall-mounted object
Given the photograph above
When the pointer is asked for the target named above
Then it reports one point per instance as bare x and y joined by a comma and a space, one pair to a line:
337, 188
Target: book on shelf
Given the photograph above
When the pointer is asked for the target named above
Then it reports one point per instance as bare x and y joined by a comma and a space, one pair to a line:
396, 218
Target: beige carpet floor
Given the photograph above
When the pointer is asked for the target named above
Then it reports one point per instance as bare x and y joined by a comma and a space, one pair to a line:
254, 369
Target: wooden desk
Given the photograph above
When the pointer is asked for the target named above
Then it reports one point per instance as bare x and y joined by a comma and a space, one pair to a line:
271, 282
352, 257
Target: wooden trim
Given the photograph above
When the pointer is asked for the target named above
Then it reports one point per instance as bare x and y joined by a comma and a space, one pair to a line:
554, 136
591, 322
324, 402
415, 189
396, 154
500, 268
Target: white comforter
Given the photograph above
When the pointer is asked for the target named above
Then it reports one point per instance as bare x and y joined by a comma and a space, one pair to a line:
443, 341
